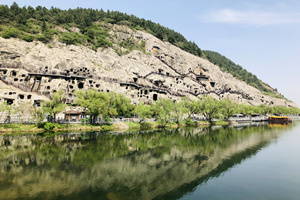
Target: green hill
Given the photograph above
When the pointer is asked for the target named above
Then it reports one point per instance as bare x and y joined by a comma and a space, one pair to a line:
30, 24
90, 27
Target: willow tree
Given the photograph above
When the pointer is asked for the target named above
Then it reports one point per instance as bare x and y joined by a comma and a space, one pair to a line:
162, 110
54, 105
210, 108
103, 104
191, 106
7, 109
228, 107
179, 110
143, 111
93, 102
119, 104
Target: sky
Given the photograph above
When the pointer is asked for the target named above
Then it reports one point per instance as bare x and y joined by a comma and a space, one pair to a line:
263, 36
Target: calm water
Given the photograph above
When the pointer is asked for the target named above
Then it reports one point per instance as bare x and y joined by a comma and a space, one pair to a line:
257, 162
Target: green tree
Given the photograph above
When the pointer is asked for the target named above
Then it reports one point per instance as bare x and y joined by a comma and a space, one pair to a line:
119, 105
55, 105
247, 109
179, 110
280, 110
162, 109
37, 115
44, 26
210, 108
228, 107
7, 109
94, 102
192, 106
143, 111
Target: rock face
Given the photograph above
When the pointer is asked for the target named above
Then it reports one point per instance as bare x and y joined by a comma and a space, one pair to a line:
161, 71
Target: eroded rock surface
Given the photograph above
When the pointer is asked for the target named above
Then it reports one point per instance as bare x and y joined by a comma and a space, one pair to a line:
162, 71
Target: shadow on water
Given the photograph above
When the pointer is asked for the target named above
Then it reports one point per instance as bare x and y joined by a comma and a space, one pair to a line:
161, 164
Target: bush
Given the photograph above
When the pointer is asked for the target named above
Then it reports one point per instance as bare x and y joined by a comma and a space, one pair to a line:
11, 32
44, 38
48, 126
72, 38
84, 120
102, 42
27, 38
189, 122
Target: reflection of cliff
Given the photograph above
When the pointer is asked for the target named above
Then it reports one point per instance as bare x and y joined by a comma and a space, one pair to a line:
133, 166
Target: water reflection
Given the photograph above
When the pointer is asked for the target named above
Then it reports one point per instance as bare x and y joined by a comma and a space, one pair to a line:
143, 165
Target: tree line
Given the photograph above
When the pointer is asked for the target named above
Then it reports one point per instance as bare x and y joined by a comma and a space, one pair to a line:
108, 105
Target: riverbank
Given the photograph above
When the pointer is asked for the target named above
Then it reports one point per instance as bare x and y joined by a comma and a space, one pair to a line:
119, 127
35, 128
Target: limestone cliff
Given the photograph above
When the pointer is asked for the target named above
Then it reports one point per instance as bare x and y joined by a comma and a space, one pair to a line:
160, 70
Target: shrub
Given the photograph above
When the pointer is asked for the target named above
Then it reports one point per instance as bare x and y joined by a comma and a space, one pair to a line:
103, 43
11, 32
27, 38
84, 120
48, 126
41, 38
126, 23
139, 28
45, 38
72, 38
189, 122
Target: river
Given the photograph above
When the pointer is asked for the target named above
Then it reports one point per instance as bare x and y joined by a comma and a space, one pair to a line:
244, 162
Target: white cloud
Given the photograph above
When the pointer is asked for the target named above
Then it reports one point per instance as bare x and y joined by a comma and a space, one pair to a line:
257, 18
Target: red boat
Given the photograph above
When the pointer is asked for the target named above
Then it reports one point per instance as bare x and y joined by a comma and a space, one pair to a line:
279, 119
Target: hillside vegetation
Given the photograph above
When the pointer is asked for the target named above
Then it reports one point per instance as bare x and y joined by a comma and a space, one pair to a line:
90, 27
38, 23
240, 73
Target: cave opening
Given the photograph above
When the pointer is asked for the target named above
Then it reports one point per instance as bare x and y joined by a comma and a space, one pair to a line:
154, 97
80, 85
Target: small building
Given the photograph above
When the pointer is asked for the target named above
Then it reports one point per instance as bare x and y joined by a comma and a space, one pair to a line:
74, 115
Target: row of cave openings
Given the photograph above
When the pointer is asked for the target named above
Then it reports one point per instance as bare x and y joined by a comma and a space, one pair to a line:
13, 73
82, 71
20, 96
10, 101
146, 93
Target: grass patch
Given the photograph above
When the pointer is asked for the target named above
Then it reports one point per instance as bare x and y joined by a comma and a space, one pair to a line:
19, 128
34, 128
220, 123
60, 127
107, 128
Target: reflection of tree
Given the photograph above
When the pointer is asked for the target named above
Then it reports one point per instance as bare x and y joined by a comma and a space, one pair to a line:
137, 165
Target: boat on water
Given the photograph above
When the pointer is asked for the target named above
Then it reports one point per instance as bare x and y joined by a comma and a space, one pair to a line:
279, 119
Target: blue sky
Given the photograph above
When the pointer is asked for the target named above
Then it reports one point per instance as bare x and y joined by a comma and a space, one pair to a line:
263, 36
